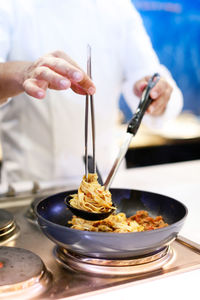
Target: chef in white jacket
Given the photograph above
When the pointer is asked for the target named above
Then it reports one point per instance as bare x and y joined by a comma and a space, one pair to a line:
42, 90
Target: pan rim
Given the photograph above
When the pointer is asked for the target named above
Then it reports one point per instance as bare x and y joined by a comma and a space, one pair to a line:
66, 228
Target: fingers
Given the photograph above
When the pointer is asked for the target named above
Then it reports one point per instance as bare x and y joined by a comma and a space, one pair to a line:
160, 95
140, 86
61, 63
35, 88
62, 67
53, 79
59, 72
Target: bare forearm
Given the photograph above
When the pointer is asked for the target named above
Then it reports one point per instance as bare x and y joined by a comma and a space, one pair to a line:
11, 78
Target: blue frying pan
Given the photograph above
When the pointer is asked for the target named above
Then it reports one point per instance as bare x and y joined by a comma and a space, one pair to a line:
53, 217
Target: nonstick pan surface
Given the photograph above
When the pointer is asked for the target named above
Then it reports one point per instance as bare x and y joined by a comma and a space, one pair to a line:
53, 217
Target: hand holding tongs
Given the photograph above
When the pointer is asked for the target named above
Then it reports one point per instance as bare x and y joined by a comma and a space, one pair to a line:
133, 126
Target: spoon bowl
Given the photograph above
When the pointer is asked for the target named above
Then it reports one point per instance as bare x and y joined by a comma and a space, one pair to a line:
87, 215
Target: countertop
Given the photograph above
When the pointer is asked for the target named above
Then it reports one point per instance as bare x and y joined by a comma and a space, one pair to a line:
180, 181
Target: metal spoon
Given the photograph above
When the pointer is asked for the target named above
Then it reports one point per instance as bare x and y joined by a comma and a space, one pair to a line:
87, 215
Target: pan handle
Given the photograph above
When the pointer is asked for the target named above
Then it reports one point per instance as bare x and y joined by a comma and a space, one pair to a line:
145, 101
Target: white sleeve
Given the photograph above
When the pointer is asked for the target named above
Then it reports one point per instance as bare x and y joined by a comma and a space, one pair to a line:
6, 28
140, 60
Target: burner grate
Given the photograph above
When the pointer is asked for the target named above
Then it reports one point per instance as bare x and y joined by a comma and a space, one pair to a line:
22, 273
113, 267
9, 230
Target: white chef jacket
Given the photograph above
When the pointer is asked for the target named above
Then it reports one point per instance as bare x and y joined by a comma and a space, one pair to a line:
44, 139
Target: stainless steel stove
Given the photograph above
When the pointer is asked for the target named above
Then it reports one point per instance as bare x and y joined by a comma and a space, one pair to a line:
32, 267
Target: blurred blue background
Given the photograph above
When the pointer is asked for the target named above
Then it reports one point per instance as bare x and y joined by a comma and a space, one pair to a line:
174, 29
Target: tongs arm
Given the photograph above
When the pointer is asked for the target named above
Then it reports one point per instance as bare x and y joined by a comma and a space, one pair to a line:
133, 126
91, 105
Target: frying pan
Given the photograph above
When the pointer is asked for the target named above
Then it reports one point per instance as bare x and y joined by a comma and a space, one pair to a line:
53, 217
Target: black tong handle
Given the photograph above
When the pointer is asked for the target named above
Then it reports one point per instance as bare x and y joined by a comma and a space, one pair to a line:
145, 101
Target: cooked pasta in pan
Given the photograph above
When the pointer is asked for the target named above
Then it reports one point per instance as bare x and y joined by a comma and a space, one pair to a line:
141, 221
114, 223
92, 196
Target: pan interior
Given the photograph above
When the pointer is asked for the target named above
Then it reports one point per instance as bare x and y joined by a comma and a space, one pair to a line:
128, 201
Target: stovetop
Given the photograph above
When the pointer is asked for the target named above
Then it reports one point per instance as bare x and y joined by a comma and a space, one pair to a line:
66, 282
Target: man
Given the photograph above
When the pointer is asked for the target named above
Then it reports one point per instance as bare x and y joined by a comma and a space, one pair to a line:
44, 140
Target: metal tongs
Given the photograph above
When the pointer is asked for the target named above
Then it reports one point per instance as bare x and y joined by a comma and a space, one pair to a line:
89, 102
87, 215
133, 126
